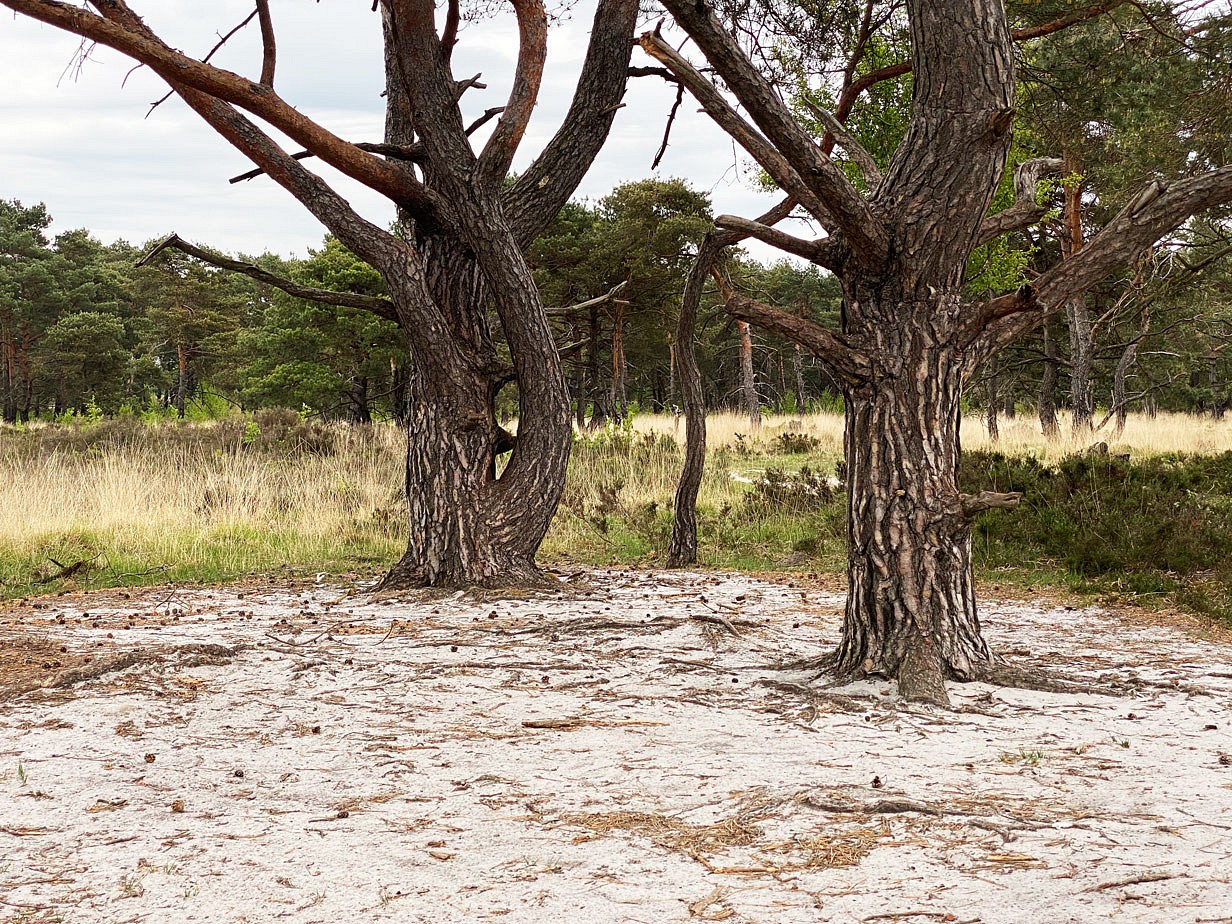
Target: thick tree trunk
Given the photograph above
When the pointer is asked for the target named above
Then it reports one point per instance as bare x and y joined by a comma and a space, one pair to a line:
467, 526
465, 529
911, 610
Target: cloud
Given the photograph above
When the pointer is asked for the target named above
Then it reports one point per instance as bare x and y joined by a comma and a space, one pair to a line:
85, 147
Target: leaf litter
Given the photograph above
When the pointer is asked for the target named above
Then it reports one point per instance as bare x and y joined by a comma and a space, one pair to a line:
640, 747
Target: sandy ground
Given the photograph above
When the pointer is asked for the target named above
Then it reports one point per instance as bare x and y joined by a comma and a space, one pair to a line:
627, 752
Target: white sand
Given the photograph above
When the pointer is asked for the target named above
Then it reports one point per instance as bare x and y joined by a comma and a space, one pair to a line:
668, 771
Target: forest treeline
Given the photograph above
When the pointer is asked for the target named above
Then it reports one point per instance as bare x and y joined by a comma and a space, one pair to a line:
87, 329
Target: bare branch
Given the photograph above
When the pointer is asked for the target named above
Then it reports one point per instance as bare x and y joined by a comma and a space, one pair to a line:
382, 307
848, 363
822, 252
498, 153
1025, 211
726, 117
850, 213
667, 129
608, 296
222, 40
269, 49
856, 151
120, 29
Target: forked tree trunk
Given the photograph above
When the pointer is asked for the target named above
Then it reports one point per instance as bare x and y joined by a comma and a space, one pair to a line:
911, 610
467, 525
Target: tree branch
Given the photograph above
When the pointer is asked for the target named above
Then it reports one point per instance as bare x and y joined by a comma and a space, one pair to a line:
540, 192
856, 151
592, 302
1025, 211
116, 29
382, 307
850, 212
498, 153
975, 504
858, 86
667, 129
1156, 210
832, 348
725, 116
269, 49
449, 36
822, 252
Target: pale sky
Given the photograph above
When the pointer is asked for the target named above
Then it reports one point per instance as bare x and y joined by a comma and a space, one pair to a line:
81, 142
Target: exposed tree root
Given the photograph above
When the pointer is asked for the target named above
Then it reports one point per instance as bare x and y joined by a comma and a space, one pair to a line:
183, 656
1043, 680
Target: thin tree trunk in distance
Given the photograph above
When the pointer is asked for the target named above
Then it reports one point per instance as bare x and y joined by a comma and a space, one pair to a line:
797, 367
181, 382
1047, 402
994, 401
619, 400
748, 384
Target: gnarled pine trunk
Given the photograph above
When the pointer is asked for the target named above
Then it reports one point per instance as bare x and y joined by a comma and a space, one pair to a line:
911, 610
467, 525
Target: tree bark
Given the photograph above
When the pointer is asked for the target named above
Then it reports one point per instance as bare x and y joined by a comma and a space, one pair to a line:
181, 381
8, 377
620, 395
911, 610
682, 548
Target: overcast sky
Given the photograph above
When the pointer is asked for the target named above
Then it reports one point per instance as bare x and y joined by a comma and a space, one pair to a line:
80, 141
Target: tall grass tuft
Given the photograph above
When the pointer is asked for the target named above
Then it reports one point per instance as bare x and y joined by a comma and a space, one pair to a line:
196, 502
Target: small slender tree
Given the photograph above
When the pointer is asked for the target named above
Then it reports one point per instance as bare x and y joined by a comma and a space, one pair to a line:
454, 269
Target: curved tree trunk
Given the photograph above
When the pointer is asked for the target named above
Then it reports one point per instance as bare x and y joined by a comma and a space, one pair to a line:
682, 549
911, 593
